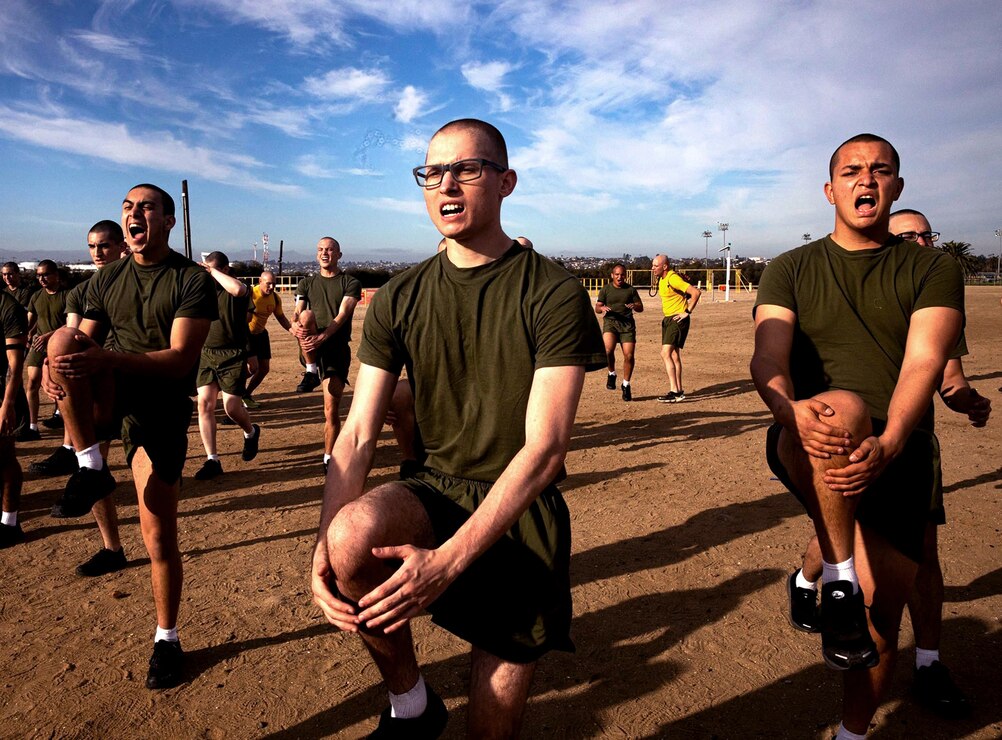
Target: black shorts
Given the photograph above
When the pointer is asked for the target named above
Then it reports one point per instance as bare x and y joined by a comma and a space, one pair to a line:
333, 359
514, 601
259, 345
34, 358
674, 332
897, 505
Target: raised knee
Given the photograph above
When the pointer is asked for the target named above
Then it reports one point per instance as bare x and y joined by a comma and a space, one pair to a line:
350, 539
850, 410
65, 341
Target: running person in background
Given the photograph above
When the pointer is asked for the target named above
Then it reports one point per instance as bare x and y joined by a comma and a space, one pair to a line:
325, 304
223, 367
496, 340
13, 413
849, 380
106, 244
46, 313
156, 308
265, 302
933, 685
616, 305
678, 299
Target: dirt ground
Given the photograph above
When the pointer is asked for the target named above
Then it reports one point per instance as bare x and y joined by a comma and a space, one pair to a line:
682, 542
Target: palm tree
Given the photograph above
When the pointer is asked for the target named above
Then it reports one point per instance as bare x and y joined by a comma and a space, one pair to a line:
961, 251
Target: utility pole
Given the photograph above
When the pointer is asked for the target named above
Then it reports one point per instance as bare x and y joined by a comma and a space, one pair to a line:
706, 257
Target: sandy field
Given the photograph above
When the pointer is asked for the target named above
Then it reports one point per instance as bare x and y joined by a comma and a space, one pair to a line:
682, 544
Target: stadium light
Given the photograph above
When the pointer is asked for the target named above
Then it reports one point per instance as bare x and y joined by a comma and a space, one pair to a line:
706, 257
998, 263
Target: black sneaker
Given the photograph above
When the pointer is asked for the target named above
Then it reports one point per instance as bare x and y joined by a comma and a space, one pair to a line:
679, 396
627, 393
668, 397
845, 638
250, 444
610, 382
428, 726
10, 535
309, 382
935, 690
27, 434
60, 462
84, 489
166, 665
209, 470
103, 562
803, 613
53, 422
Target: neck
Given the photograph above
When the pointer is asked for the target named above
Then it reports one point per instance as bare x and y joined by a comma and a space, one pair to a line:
854, 240
478, 251
330, 271
152, 255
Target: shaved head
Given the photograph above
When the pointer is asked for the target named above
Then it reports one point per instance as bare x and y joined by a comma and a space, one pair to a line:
485, 132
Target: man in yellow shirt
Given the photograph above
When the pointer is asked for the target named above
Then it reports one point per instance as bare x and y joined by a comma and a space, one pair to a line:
678, 298
266, 303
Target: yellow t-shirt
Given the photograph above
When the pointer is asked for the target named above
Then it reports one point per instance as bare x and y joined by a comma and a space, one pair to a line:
672, 289
264, 307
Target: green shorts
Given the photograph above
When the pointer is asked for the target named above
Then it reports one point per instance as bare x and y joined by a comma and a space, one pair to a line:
158, 424
674, 332
333, 359
623, 334
897, 505
259, 345
514, 601
34, 358
225, 367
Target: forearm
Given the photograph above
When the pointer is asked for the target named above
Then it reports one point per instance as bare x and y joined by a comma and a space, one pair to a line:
953, 378
168, 363
774, 385
693, 299
351, 461
230, 284
284, 322
917, 382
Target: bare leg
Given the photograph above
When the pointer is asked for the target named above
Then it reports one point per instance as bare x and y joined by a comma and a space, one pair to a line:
234, 408
387, 515
629, 349
675, 368
812, 560
610, 350
308, 320
88, 400
925, 603
259, 374
333, 390
886, 578
34, 384
498, 693
11, 476
158, 521
207, 395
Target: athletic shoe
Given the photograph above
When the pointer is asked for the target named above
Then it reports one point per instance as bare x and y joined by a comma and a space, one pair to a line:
679, 396
627, 393
27, 434
610, 382
326, 463
803, 613
53, 422
845, 638
84, 489
250, 444
166, 665
60, 462
428, 726
209, 470
10, 535
250, 403
103, 562
935, 690
308, 383
668, 397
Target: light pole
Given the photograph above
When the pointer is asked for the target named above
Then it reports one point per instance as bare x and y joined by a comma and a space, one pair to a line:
723, 228
998, 263
706, 258
806, 237
727, 274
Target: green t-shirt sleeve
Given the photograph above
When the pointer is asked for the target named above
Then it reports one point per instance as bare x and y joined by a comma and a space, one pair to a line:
353, 288
603, 295
198, 297
75, 299
634, 296
301, 291
775, 287
379, 346
15, 320
566, 332
943, 285
31, 303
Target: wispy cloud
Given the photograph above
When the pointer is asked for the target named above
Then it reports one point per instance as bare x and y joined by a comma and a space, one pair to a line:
412, 103
489, 77
396, 205
348, 84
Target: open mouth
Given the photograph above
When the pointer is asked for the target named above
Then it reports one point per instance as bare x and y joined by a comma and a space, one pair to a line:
451, 209
865, 205
135, 230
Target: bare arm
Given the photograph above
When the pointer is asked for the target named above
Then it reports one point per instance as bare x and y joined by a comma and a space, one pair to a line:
770, 369
73, 320
425, 574
229, 283
692, 295
600, 308
15, 359
959, 396
344, 313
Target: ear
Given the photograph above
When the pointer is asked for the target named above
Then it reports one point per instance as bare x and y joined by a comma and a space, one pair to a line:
901, 186
169, 222
508, 181
829, 193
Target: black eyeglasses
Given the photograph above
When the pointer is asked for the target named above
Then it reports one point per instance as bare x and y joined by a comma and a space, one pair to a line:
44, 274
914, 236
463, 170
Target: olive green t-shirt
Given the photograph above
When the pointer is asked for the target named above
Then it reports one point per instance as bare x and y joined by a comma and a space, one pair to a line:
13, 322
324, 295
471, 340
618, 317
76, 297
139, 304
23, 294
49, 310
229, 331
853, 311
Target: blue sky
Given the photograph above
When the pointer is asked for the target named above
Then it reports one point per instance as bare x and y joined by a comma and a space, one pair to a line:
633, 126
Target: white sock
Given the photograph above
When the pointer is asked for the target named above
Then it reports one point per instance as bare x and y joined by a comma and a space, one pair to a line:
56, 413
213, 457
33, 427
612, 374
9, 518
411, 704
844, 734
844, 571
327, 459
923, 658
626, 383
804, 583
91, 457
311, 367
248, 435
162, 634
68, 447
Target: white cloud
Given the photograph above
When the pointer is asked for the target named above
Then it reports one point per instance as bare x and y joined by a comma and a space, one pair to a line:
489, 77
348, 84
109, 44
412, 102
396, 205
